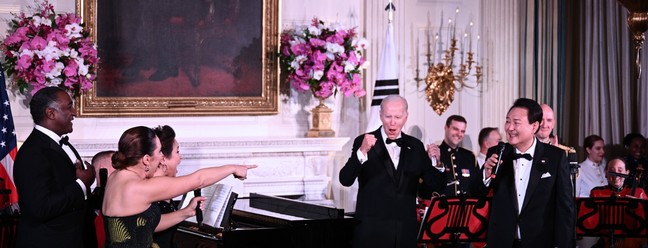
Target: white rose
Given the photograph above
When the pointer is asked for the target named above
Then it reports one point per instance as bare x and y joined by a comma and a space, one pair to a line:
317, 75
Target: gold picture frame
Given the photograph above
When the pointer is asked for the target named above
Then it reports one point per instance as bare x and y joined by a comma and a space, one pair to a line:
263, 100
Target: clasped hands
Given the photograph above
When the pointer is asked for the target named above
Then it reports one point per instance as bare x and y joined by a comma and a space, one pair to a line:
85, 174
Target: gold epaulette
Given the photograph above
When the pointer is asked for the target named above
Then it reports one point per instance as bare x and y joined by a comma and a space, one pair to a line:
566, 148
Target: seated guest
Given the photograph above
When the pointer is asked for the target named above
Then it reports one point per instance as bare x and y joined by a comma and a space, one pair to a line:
101, 160
488, 137
635, 145
131, 214
616, 188
592, 170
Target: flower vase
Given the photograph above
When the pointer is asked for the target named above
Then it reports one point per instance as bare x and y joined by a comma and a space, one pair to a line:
321, 121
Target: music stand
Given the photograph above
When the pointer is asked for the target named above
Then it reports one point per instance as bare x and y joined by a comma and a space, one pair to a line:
455, 219
611, 217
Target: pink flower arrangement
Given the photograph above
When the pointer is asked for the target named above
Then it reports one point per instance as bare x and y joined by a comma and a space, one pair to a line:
323, 58
49, 49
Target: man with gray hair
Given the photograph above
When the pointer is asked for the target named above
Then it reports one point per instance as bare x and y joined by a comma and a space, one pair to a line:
388, 164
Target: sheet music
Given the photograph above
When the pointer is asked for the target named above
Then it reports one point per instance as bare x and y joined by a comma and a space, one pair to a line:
217, 196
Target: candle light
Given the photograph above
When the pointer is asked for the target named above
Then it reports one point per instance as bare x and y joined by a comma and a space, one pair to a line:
470, 36
417, 54
454, 32
449, 32
436, 39
478, 49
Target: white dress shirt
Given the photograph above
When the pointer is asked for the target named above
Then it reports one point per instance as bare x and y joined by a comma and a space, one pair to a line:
67, 150
590, 175
522, 169
481, 159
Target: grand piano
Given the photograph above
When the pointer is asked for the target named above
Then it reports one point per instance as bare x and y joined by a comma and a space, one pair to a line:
269, 221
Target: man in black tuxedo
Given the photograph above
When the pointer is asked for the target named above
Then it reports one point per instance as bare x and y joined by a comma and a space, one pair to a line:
52, 183
388, 165
532, 202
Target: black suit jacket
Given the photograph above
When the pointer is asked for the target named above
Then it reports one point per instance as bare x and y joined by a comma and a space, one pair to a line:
386, 203
547, 214
51, 202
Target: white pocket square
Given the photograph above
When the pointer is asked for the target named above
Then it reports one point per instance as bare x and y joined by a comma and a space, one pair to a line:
545, 175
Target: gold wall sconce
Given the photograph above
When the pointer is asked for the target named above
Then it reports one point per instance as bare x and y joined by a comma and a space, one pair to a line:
445, 77
638, 24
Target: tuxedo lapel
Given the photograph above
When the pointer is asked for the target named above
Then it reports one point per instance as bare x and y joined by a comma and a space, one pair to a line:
52, 145
535, 175
509, 176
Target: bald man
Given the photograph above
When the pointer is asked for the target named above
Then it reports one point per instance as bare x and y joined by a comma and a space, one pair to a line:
547, 126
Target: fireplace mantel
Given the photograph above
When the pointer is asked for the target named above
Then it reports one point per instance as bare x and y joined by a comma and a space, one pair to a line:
287, 166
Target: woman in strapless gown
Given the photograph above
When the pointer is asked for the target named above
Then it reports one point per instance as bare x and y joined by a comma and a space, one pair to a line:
131, 215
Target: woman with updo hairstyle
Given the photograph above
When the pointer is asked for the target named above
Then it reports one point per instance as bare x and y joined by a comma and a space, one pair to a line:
131, 214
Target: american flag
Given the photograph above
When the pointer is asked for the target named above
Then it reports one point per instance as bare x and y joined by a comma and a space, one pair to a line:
8, 147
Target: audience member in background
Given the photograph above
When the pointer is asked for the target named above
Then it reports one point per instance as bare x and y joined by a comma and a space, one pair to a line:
545, 134
131, 214
101, 160
169, 168
388, 164
616, 188
51, 180
592, 171
488, 137
636, 162
547, 125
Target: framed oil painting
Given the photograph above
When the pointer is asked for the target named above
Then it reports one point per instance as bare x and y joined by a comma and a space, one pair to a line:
182, 58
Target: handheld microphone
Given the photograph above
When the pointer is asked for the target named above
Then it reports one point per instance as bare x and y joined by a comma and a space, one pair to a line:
502, 146
199, 213
103, 177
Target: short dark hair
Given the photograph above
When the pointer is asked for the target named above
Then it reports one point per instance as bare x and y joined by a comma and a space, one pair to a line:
43, 99
533, 108
133, 145
590, 140
484, 133
101, 155
458, 118
167, 136
630, 137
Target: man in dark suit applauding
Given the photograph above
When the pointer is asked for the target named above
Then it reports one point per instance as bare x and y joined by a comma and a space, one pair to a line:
388, 165
52, 182
532, 203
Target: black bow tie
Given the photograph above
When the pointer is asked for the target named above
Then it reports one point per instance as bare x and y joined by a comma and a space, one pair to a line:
524, 156
399, 141
65, 140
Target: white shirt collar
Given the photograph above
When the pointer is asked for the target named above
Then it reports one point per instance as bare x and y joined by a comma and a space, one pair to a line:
531, 149
49, 133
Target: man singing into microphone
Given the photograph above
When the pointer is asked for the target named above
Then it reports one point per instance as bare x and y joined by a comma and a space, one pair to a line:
532, 204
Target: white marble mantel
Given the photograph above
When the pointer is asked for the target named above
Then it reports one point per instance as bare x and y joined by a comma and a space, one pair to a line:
287, 166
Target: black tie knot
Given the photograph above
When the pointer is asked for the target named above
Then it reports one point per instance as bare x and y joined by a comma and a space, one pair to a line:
65, 140
522, 155
399, 141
